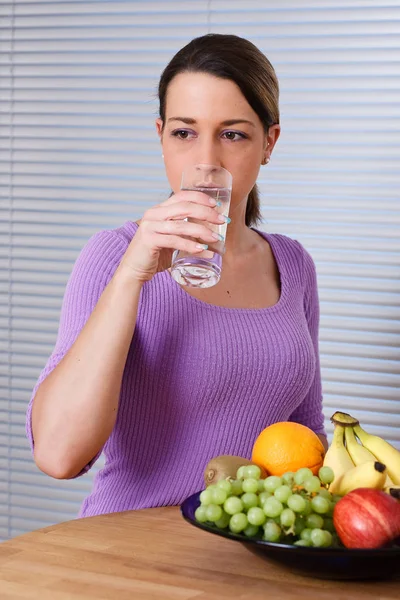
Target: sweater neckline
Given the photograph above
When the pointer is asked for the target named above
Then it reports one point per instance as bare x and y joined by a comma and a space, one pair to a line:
267, 309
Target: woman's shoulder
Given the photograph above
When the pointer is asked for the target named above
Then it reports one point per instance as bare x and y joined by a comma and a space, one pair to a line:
126, 231
291, 254
106, 241
103, 252
287, 243
289, 248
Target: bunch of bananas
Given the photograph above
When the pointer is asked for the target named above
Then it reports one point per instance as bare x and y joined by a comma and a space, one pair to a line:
372, 462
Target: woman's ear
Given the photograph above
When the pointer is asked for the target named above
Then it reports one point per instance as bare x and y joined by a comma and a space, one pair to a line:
270, 140
272, 137
159, 127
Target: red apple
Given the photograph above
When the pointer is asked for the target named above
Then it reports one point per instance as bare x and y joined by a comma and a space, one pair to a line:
367, 518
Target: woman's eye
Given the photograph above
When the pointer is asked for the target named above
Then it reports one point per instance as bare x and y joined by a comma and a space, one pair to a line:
185, 134
234, 136
182, 134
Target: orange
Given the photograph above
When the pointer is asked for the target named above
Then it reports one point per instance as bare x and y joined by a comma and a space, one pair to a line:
288, 446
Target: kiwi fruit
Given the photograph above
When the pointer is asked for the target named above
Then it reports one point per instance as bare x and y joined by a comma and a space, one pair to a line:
225, 467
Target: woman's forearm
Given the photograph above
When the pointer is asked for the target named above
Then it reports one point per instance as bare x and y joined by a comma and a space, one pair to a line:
75, 408
324, 440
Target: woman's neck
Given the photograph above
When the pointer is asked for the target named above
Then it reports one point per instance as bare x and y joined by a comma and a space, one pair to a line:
240, 239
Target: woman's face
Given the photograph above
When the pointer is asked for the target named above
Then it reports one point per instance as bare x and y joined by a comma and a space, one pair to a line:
209, 121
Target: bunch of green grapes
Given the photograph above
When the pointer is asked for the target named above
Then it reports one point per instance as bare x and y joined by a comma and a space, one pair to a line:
296, 508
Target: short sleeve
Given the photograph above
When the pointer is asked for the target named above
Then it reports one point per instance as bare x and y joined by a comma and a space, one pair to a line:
91, 273
310, 411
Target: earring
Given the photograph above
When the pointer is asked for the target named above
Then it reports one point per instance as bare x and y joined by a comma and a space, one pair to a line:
266, 158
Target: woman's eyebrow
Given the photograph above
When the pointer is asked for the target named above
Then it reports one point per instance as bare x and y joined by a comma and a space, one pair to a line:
186, 120
190, 121
236, 121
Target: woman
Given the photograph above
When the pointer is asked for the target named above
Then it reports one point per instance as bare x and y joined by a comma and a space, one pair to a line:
160, 377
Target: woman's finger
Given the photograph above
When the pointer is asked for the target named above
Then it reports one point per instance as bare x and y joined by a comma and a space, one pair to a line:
184, 210
187, 229
190, 196
174, 242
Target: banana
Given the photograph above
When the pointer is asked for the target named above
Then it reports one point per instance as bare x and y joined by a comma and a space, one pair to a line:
392, 490
383, 451
371, 474
342, 418
358, 453
337, 458
389, 483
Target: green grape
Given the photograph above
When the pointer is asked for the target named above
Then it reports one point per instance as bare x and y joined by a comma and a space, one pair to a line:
330, 510
261, 485
326, 475
272, 507
302, 543
336, 498
218, 496
312, 484
223, 522
282, 493
299, 525
307, 509
320, 505
317, 538
296, 503
211, 487
321, 538
206, 497
250, 485
288, 478
213, 512
302, 474
272, 532
225, 485
237, 489
238, 522
314, 521
240, 472
306, 535
251, 530
272, 483
200, 514
325, 493
252, 472
256, 516
233, 505
288, 517
328, 524
263, 497
249, 500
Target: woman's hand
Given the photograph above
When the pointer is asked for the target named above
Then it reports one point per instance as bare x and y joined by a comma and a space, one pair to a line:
163, 230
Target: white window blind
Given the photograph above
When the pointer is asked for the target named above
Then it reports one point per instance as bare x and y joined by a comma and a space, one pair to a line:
79, 152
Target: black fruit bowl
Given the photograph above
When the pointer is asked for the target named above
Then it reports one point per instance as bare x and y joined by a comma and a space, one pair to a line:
323, 563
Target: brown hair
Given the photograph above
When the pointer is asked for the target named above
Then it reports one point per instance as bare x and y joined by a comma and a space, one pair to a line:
235, 58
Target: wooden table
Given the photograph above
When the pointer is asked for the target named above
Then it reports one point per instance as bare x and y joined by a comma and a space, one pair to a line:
154, 554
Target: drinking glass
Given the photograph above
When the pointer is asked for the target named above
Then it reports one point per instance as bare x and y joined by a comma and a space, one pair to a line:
204, 270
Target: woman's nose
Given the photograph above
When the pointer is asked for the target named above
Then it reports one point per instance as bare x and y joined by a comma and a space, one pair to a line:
209, 153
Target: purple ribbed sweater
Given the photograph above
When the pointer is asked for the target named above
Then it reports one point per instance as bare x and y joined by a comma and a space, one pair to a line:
200, 380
